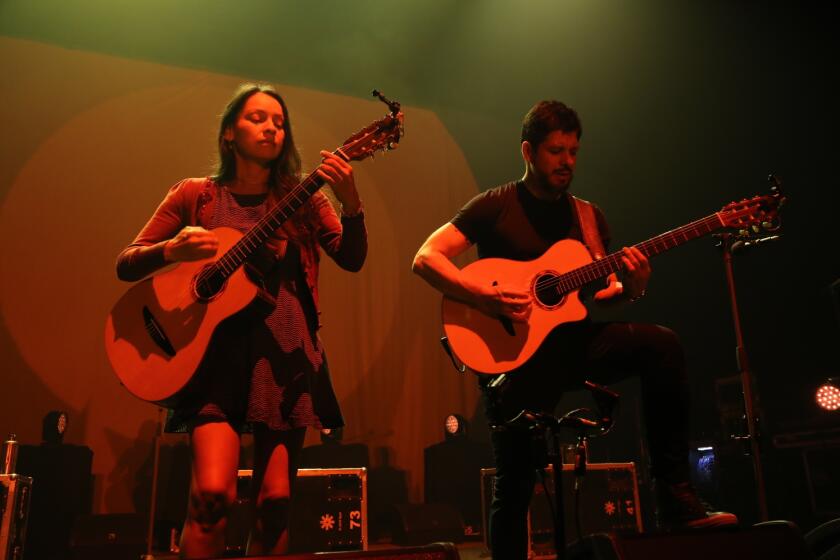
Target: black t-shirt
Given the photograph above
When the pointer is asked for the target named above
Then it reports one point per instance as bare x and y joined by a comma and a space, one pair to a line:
509, 222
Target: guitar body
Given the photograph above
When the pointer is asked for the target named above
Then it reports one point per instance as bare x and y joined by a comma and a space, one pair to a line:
158, 332
490, 345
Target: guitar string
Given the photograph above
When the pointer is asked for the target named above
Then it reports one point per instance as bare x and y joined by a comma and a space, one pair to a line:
250, 241
598, 269
753, 208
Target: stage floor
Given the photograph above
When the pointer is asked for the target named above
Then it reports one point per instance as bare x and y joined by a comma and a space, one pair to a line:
472, 550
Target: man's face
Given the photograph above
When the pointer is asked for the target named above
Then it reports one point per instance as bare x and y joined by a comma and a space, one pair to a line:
553, 161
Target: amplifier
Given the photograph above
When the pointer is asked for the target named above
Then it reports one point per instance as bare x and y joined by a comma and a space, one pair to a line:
15, 495
328, 510
609, 502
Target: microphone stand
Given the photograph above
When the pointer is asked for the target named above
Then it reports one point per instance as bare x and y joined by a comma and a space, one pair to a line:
731, 244
548, 428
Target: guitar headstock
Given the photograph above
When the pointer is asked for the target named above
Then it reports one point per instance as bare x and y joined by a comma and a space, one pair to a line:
383, 134
755, 215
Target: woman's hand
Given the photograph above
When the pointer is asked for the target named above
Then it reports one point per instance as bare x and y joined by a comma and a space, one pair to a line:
339, 176
191, 244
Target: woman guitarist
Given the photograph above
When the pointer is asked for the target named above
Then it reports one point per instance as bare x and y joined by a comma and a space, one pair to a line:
265, 371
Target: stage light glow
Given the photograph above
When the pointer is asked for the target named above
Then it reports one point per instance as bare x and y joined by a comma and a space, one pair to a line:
454, 426
332, 435
704, 468
53, 426
828, 395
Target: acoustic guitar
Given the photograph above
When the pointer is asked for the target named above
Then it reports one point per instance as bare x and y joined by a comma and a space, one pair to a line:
495, 345
158, 332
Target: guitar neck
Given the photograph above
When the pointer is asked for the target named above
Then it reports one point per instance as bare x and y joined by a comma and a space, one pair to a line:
601, 268
273, 219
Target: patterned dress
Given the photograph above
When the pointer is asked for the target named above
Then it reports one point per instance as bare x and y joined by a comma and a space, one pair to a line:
270, 370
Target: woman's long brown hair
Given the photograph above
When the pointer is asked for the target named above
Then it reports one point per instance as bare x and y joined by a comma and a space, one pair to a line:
285, 170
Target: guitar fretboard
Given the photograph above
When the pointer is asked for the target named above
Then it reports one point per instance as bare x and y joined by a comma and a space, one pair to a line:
601, 268
273, 219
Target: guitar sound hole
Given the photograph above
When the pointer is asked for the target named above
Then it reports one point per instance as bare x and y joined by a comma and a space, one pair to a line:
546, 290
208, 283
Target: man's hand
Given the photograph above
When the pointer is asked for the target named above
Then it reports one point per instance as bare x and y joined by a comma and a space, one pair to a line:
635, 278
504, 301
636, 272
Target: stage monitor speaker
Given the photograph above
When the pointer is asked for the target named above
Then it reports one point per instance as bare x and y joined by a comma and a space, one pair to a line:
451, 468
770, 541
334, 455
424, 523
434, 551
62, 490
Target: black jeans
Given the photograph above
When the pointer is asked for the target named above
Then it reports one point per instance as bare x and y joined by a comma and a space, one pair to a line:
603, 353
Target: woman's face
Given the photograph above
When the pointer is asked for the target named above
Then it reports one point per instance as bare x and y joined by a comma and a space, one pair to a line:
258, 130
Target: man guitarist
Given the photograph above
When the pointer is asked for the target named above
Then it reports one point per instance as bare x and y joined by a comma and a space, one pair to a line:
520, 220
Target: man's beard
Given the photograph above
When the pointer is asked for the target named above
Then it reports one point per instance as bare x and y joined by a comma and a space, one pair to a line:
551, 183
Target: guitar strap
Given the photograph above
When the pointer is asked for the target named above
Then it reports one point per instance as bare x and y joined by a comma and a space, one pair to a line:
589, 227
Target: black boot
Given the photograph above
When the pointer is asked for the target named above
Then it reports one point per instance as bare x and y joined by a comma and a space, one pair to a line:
679, 506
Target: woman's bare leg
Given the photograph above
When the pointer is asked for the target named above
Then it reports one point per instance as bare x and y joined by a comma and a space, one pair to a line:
215, 458
275, 453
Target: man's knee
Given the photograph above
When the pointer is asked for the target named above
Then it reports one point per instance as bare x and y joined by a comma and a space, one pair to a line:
668, 336
667, 344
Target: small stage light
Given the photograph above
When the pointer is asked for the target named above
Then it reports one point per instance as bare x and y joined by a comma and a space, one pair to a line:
828, 395
455, 426
332, 435
53, 426
703, 462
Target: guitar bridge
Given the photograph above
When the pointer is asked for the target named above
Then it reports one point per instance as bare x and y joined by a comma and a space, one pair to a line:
156, 332
507, 324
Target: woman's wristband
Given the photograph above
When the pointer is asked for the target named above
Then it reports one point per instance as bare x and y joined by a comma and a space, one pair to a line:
359, 211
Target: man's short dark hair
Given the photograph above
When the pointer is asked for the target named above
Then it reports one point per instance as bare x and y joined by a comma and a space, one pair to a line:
547, 116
